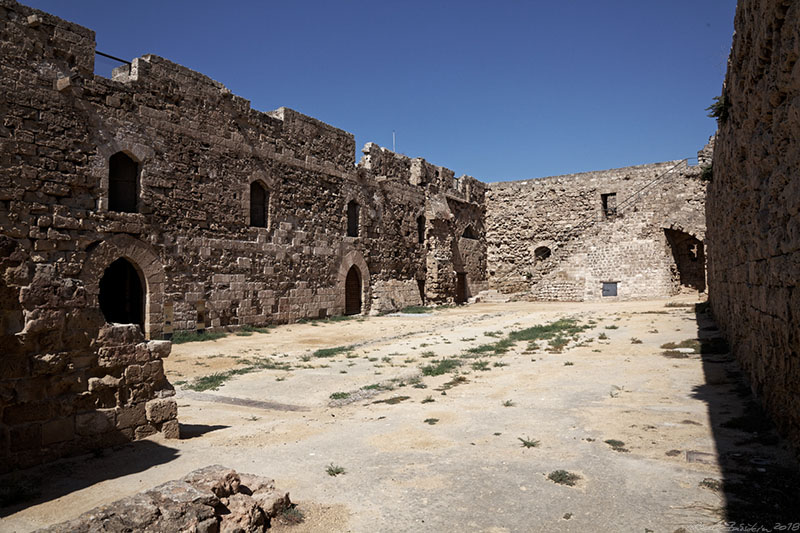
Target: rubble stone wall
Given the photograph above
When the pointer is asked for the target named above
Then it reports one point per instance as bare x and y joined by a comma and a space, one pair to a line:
202, 257
753, 207
581, 247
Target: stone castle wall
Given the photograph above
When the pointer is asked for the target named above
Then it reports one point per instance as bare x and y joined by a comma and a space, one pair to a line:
652, 247
753, 206
200, 260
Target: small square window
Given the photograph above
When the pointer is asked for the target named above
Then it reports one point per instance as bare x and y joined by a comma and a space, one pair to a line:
609, 204
609, 288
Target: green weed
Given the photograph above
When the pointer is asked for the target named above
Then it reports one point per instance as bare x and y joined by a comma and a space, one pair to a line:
562, 477
180, 337
439, 367
334, 470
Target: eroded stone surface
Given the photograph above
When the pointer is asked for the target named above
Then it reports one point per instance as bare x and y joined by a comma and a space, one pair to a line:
754, 206
552, 238
211, 499
148, 178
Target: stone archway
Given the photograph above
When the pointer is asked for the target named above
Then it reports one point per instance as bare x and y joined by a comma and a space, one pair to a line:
346, 276
122, 294
145, 261
352, 292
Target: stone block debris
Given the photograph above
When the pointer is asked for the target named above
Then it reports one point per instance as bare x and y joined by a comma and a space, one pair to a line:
212, 499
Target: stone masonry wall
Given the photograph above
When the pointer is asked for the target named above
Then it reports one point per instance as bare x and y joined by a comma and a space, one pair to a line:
564, 215
201, 261
753, 207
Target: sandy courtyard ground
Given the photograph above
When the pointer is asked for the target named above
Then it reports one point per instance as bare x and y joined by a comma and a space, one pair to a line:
471, 449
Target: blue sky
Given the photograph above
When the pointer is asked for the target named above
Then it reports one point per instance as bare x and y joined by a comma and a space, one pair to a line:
498, 90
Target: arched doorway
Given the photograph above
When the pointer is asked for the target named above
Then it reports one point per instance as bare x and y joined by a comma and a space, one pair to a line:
352, 292
122, 293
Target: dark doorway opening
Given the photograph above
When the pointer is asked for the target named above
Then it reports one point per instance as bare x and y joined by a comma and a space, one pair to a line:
259, 204
420, 229
122, 294
123, 183
352, 219
421, 287
461, 287
690, 261
352, 292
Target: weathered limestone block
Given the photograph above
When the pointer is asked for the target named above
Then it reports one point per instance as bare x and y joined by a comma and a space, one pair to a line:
161, 410
131, 416
95, 422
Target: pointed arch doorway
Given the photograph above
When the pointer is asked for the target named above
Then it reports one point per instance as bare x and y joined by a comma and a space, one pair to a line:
352, 292
122, 294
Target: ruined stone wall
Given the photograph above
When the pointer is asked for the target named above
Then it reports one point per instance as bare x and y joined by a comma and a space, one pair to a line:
581, 247
450, 206
68, 381
190, 242
753, 207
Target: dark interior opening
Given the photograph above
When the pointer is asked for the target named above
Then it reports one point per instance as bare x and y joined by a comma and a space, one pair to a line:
352, 292
122, 294
123, 183
420, 229
461, 287
11, 318
259, 203
689, 255
352, 219
421, 287
541, 253
609, 204
469, 233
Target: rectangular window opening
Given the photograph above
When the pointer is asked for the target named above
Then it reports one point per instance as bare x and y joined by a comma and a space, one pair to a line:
609, 204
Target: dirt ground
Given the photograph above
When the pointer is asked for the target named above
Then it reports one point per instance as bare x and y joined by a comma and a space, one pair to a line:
469, 450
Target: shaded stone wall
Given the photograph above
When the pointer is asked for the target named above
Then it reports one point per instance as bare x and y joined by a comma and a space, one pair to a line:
753, 207
581, 245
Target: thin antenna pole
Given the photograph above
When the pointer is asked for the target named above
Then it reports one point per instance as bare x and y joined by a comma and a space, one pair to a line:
394, 147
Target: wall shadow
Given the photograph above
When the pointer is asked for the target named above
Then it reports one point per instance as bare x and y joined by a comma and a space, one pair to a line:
760, 483
191, 431
49, 481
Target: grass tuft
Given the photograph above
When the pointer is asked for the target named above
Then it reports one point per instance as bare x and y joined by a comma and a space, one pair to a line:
291, 515
339, 395
527, 442
330, 352
180, 337
334, 470
617, 445
416, 309
439, 367
562, 477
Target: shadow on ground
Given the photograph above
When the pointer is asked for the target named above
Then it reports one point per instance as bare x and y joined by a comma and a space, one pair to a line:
39, 484
760, 482
191, 431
